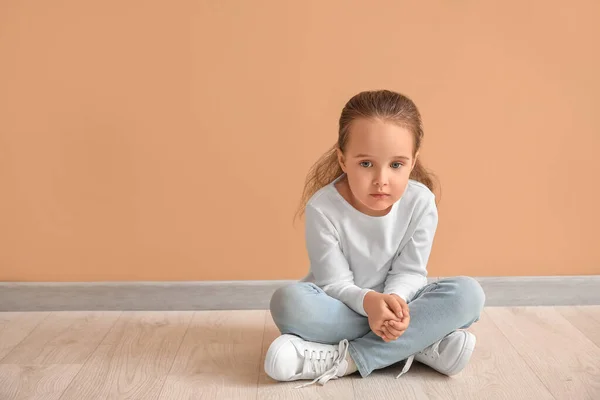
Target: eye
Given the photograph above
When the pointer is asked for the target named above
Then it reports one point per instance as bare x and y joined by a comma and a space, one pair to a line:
362, 164
396, 165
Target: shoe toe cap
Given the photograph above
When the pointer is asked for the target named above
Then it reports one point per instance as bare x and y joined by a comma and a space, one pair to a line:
282, 361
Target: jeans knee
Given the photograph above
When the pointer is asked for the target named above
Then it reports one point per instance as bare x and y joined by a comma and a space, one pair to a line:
471, 295
288, 301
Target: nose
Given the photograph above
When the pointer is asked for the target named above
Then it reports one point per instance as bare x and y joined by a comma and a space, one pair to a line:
380, 178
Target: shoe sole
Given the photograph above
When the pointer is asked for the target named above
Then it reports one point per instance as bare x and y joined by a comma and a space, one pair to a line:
272, 353
465, 355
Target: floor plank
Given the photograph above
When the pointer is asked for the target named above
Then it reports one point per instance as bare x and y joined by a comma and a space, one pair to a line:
382, 384
341, 388
565, 360
63, 338
35, 382
134, 359
15, 326
584, 318
219, 357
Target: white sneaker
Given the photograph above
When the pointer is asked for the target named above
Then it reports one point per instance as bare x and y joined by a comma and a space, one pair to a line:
291, 358
449, 355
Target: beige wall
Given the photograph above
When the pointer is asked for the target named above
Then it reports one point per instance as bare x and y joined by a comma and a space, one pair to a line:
170, 140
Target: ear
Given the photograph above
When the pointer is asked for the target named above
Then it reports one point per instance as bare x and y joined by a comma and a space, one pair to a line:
414, 161
341, 159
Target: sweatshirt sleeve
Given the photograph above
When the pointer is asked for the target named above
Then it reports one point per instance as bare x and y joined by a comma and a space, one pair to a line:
328, 264
408, 272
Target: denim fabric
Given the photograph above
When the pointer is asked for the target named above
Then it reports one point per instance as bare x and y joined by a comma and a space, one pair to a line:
437, 309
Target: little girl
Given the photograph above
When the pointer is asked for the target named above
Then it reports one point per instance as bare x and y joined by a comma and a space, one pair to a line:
371, 218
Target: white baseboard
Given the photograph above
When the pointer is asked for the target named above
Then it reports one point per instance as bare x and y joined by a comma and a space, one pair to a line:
255, 295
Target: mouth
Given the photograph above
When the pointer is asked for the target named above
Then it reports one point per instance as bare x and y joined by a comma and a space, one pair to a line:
379, 195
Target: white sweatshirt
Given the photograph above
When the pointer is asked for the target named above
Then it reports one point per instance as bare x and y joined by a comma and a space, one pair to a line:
352, 253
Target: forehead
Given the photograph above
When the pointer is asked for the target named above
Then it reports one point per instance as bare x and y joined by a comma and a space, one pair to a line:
379, 138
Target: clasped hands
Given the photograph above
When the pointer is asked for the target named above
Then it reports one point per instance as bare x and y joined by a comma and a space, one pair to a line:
388, 315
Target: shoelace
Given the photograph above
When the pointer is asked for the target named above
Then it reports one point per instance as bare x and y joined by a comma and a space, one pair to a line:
407, 365
430, 351
318, 364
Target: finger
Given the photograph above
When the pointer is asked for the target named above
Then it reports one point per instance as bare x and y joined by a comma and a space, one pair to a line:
394, 305
406, 322
389, 313
389, 316
405, 309
403, 304
384, 330
389, 334
402, 325
393, 329
380, 334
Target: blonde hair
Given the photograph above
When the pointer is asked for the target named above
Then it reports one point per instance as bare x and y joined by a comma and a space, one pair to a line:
383, 104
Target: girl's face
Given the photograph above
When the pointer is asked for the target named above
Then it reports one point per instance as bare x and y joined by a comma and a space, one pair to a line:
377, 161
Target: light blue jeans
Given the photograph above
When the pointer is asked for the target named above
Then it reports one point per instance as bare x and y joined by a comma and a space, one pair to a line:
437, 309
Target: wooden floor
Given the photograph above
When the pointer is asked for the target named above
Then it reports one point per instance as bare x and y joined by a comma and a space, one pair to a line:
530, 353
